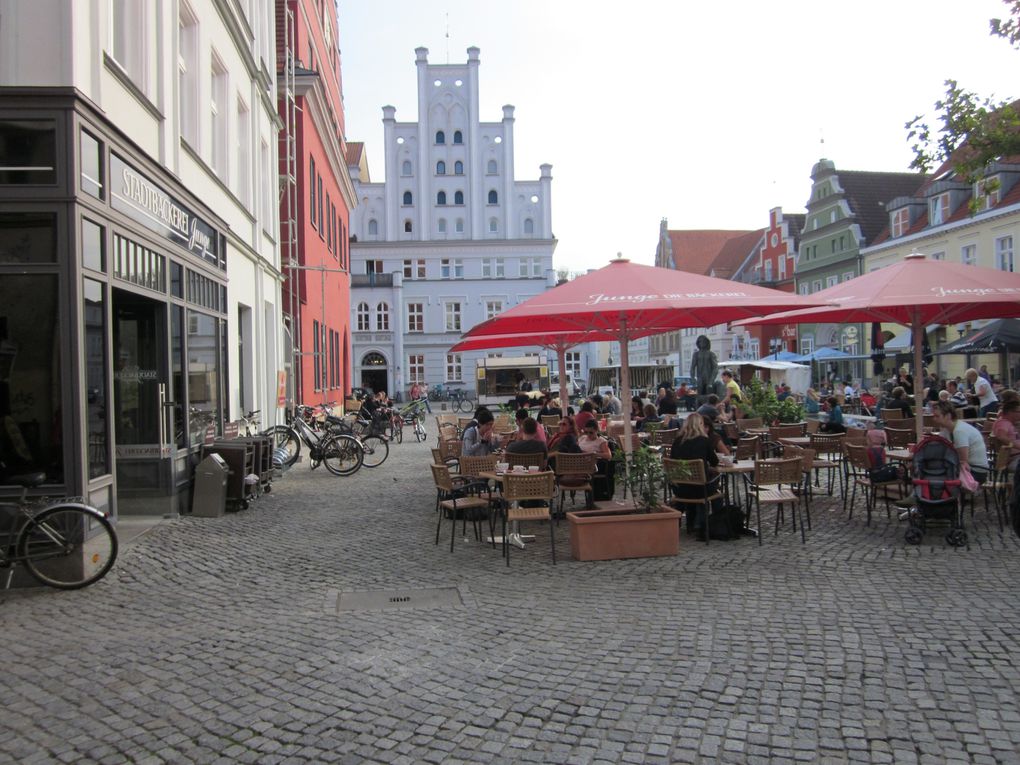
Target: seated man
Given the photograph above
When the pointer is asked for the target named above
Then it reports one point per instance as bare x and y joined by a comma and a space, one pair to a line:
527, 441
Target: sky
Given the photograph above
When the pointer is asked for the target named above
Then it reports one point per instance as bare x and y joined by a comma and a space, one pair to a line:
708, 114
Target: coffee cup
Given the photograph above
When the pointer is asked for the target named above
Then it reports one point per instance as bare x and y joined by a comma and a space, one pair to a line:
519, 468
502, 467
532, 468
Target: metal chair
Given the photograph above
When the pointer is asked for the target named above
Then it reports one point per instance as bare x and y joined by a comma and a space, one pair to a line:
454, 501
535, 489
691, 473
574, 473
773, 484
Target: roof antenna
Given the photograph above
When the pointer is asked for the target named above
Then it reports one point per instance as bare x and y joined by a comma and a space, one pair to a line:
447, 37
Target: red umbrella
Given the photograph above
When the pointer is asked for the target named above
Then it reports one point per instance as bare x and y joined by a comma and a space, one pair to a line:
915, 292
625, 300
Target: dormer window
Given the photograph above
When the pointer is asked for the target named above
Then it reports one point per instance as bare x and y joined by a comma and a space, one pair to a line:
899, 221
987, 193
938, 209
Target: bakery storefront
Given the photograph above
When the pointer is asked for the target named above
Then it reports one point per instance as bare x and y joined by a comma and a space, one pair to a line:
112, 312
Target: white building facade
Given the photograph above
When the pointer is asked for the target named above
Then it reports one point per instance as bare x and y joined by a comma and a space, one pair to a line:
449, 239
155, 128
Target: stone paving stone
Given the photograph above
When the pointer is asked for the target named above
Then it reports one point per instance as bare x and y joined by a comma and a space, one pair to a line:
214, 640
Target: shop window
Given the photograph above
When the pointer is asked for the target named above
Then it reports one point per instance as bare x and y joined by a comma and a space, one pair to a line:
91, 165
30, 398
204, 374
28, 152
29, 237
92, 246
96, 379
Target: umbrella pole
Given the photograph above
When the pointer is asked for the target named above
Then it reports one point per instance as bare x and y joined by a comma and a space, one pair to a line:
628, 445
915, 335
561, 360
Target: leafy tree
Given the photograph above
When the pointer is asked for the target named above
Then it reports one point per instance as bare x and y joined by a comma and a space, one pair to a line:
971, 131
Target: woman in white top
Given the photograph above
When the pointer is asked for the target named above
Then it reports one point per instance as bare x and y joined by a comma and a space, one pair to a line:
967, 439
987, 399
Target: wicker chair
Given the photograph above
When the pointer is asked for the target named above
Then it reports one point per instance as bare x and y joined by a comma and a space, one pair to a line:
750, 423
574, 473
536, 459
455, 501
475, 466
859, 475
891, 414
664, 437
828, 448
777, 432
773, 484
537, 490
898, 438
551, 422
691, 473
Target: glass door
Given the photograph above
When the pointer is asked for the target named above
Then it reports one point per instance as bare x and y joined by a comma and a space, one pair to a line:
144, 439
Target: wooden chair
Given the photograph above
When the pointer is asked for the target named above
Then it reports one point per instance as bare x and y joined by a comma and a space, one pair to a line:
665, 437
528, 460
691, 473
891, 414
898, 438
750, 423
574, 473
454, 501
860, 475
473, 467
855, 436
450, 451
773, 484
828, 448
748, 448
777, 432
537, 490
448, 431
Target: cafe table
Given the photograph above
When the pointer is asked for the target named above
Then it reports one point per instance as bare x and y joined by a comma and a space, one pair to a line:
901, 455
515, 536
802, 441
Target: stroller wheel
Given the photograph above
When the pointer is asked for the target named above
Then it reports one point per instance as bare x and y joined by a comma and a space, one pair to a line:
913, 535
956, 537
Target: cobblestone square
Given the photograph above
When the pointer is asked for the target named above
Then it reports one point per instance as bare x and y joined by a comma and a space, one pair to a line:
219, 640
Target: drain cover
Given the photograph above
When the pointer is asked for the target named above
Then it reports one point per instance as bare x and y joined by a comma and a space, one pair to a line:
378, 600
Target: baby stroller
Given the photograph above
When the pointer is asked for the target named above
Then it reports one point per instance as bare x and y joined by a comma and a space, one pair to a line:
938, 491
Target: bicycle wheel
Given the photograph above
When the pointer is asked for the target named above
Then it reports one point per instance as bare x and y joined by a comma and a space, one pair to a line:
376, 450
419, 429
342, 455
68, 546
287, 438
466, 405
398, 430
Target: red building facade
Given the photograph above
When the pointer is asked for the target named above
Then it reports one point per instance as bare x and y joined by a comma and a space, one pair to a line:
774, 268
316, 198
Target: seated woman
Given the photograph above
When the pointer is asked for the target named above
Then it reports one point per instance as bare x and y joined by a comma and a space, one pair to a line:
835, 422
591, 442
811, 402
637, 408
693, 443
563, 440
587, 414
650, 416
899, 401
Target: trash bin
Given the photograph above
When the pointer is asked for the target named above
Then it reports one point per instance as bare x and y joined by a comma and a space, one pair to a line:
210, 494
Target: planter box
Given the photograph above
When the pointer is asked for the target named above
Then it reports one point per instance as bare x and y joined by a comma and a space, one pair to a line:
615, 530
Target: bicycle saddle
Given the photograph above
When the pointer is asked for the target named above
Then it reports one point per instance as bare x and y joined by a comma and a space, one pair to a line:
28, 480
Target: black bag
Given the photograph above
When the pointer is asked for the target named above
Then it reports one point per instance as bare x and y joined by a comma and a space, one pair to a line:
603, 486
885, 473
725, 523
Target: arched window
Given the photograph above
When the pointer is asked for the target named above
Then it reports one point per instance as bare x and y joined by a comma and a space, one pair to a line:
382, 317
458, 137
460, 226
440, 168
363, 325
405, 167
373, 360
529, 226
493, 225
408, 199
491, 167
441, 198
458, 168
458, 197
373, 227
493, 197
442, 225
407, 226
440, 136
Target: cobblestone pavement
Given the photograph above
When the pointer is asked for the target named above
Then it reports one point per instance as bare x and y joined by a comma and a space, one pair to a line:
219, 640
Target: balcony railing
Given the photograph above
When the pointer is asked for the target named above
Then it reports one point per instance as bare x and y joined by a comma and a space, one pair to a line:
371, 280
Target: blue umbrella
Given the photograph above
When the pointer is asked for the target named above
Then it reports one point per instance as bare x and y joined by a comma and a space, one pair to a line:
822, 354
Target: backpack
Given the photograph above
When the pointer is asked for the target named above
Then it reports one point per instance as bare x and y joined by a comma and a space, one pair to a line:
726, 523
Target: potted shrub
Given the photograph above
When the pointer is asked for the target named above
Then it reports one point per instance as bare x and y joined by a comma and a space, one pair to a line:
641, 527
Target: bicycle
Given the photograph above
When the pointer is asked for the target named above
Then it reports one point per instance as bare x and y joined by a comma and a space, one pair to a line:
63, 543
414, 415
341, 454
374, 444
462, 400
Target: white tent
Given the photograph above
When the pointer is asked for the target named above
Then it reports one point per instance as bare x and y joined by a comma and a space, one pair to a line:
797, 376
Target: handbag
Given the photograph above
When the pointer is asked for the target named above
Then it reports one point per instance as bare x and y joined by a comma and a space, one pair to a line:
967, 479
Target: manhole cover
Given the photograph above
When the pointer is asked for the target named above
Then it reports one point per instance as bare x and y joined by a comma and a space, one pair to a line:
378, 600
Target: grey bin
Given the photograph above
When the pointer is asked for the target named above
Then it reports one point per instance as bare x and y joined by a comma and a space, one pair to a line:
210, 493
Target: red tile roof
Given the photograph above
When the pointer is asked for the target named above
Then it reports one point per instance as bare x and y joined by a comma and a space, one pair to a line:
696, 251
354, 152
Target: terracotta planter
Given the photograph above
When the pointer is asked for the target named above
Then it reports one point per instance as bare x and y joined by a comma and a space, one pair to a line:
615, 530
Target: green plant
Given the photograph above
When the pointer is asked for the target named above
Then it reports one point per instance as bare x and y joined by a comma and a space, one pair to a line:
760, 401
645, 478
791, 411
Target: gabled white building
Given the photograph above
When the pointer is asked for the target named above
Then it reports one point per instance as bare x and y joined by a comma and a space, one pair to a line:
449, 239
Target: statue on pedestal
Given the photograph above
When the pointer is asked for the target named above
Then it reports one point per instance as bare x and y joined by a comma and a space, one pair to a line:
705, 367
